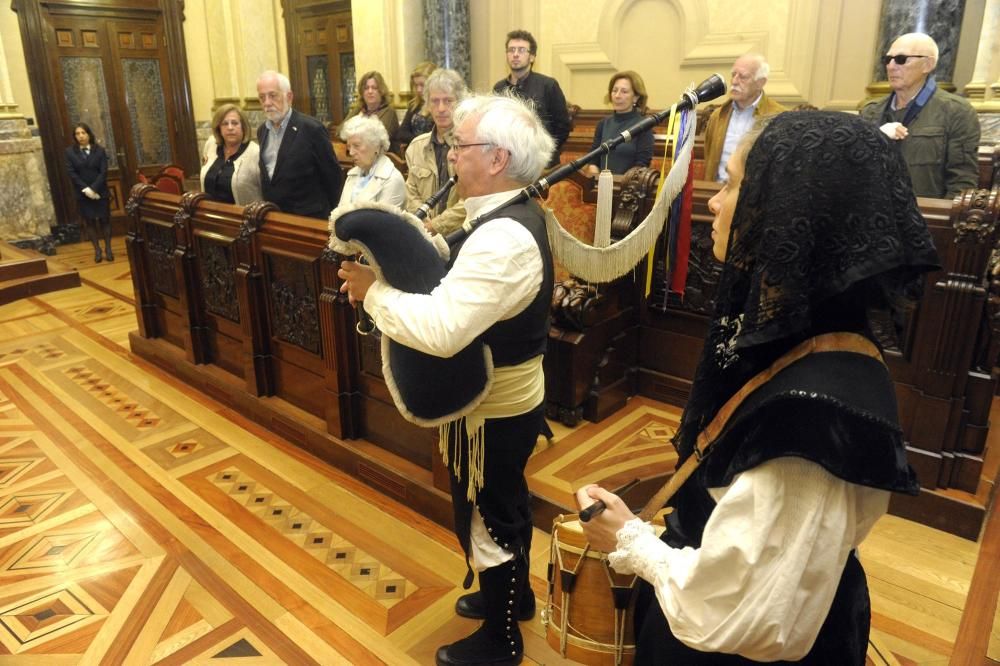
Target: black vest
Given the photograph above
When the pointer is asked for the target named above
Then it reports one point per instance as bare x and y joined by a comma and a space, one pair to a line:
523, 336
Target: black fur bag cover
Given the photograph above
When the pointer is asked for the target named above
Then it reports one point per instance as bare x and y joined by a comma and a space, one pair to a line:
428, 390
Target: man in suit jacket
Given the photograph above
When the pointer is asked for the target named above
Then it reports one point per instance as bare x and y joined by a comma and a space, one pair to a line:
298, 169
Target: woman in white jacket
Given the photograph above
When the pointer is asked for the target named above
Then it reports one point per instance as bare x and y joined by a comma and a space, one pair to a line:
230, 170
374, 177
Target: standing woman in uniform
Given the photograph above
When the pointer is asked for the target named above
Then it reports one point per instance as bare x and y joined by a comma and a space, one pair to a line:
87, 164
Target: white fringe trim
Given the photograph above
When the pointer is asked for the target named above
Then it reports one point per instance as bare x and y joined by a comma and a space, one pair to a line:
595, 264
350, 247
475, 429
474, 402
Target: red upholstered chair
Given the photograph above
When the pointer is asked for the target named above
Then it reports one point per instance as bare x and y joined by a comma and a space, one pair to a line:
140, 177
169, 184
172, 170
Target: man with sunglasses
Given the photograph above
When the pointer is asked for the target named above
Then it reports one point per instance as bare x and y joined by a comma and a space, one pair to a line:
938, 132
543, 91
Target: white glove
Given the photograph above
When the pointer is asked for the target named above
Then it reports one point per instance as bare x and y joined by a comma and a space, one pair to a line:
91, 194
895, 131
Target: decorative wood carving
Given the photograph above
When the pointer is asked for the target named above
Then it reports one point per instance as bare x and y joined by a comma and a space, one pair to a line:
217, 268
160, 244
139, 190
294, 303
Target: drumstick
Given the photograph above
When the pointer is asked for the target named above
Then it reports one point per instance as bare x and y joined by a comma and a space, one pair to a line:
597, 507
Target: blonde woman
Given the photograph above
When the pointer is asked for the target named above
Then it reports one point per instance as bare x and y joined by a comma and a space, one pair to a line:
230, 169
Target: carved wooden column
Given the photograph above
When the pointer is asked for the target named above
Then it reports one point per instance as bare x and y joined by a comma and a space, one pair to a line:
944, 380
340, 352
195, 340
257, 363
135, 243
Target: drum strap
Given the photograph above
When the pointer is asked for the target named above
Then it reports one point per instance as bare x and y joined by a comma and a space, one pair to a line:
828, 342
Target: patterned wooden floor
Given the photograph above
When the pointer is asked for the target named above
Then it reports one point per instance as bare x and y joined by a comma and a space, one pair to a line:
141, 523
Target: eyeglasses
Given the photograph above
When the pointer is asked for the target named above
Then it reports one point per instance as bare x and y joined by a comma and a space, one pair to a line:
899, 59
457, 147
517, 49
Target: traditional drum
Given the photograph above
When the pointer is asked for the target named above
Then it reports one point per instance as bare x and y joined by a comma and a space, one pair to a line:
588, 613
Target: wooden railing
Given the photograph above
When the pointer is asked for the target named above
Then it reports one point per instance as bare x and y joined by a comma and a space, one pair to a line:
244, 304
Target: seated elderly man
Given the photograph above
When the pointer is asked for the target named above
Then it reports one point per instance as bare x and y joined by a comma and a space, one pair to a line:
427, 154
938, 132
728, 123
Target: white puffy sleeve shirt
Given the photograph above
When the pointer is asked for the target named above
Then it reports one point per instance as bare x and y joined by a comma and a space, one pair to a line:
497, 275
770, 560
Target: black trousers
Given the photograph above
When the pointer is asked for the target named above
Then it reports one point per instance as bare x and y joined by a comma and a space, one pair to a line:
503, 501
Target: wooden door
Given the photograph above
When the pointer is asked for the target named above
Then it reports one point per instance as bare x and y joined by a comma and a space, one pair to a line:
321, 57
110, 66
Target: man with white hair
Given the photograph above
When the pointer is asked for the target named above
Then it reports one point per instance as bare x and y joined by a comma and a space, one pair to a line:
938, 132
498, 289
728, 123
299, 172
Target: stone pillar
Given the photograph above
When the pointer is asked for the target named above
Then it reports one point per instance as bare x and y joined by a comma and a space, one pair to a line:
26, 212
941, 19
446, 28
979, 91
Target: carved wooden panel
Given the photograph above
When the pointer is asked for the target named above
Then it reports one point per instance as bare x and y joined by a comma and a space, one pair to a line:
294, 301
160, 244
65, 38
217, 268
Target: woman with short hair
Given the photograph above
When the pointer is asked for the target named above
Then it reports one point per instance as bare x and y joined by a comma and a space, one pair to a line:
627, 96
230, 162
374, 177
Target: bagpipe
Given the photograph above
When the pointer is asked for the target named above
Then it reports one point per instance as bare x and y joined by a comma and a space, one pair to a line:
431, 391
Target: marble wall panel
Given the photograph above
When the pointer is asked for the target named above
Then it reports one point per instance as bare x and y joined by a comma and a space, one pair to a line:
25, 200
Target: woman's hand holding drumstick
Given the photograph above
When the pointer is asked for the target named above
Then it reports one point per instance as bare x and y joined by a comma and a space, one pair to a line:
602, 526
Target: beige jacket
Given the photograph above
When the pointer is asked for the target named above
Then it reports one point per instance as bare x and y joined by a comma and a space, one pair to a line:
246, 171
718, 123
422, 182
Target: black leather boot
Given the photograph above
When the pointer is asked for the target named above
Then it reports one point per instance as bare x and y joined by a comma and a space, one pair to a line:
471, 605
498, 641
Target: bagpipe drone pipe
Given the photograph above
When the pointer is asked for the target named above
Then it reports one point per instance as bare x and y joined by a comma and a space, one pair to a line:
430, 390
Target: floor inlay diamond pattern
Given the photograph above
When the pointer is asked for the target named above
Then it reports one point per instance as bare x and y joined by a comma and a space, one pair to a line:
130, 410
362, 570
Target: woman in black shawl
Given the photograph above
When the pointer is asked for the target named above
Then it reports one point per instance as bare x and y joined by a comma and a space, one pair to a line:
758, 563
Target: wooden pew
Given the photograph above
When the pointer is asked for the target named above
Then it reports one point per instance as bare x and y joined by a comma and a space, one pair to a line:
244, 305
